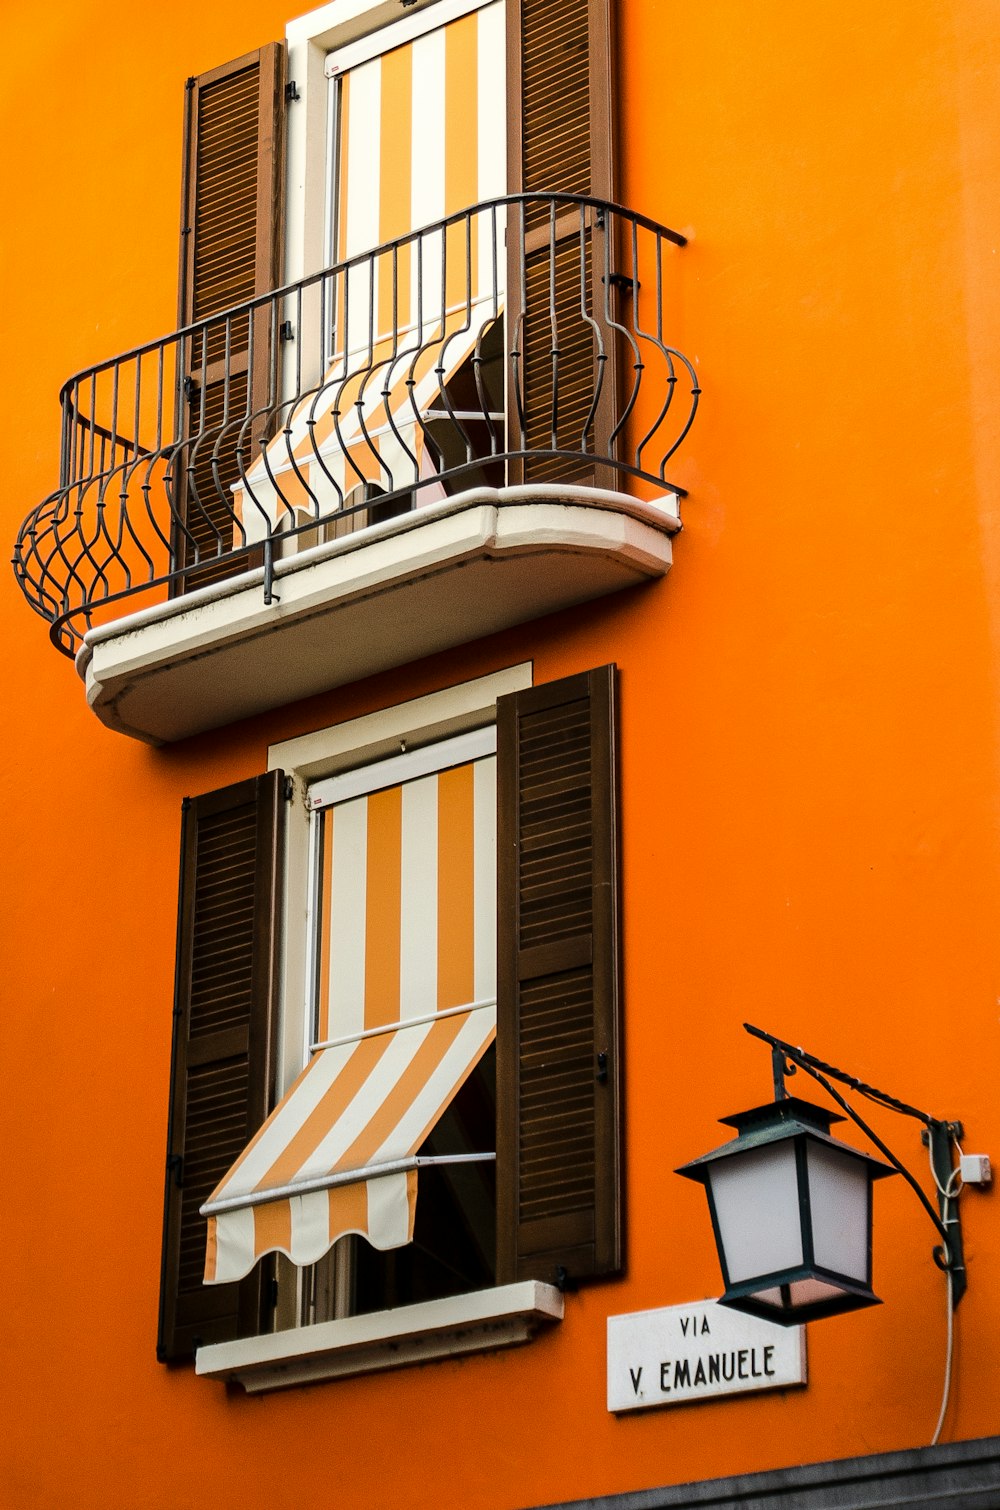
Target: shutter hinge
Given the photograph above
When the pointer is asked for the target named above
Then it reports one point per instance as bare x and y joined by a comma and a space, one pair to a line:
190, 387
175, 1166
289, 788
272, 1293
564, 1280
602, 1069
190, 83
291, 92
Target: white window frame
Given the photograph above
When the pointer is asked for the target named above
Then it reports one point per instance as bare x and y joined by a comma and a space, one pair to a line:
344, 786
367, 28
347, 748
355, 31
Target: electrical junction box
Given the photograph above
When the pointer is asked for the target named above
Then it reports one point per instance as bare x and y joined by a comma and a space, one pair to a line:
975, 1169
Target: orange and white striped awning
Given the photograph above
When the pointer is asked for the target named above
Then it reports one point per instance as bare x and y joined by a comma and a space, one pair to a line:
364, 422
406, 964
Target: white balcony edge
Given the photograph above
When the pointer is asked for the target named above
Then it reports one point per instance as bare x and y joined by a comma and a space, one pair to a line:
663, 513
440, 576
449, 1328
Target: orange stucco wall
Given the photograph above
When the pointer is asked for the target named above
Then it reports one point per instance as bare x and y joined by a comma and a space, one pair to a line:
809, 753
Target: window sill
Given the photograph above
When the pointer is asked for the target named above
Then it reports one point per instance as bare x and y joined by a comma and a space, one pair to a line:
440, 576
447, 1328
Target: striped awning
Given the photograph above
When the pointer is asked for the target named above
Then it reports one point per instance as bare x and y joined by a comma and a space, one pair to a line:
364, 422
406, 964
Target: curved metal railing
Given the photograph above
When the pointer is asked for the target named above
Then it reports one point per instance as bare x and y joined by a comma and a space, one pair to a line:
521, 340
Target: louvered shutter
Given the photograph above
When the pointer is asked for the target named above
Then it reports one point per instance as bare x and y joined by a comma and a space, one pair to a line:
561, 139
225, 1018
558, 1050
231, 232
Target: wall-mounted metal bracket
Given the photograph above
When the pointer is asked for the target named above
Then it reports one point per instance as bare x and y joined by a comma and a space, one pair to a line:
939, 1137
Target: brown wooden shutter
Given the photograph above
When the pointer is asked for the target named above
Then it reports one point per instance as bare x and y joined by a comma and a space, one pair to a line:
231, 235
225, 1022
558, 1049
561, 139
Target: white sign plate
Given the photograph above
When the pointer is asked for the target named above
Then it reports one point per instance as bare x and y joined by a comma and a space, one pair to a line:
697, 1352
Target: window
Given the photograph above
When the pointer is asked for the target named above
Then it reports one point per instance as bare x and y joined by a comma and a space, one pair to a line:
394, 1112
404, 930
557, 1057
410, 348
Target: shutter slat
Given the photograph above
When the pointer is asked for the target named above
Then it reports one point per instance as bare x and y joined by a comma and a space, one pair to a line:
225, 1018
558, 1136
556, 131
561, 140
231, 252
226, 187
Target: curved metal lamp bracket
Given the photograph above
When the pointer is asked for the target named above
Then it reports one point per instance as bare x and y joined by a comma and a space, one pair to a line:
938, 1135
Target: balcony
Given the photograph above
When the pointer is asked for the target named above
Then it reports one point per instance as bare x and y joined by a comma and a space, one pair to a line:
405, 452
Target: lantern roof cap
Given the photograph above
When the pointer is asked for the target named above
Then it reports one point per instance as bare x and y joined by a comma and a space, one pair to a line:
775, 1122
778, 1114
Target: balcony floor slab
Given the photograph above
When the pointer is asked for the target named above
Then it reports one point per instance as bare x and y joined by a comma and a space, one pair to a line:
438, 577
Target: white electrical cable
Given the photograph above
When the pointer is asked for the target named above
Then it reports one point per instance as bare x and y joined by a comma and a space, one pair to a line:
947, 1365
948, 1193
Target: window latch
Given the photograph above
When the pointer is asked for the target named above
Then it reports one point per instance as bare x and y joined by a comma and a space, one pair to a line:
622, 283
291, 92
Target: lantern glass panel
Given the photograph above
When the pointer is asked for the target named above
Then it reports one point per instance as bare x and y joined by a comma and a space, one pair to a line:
756, 1199
805, 1292
838, 1199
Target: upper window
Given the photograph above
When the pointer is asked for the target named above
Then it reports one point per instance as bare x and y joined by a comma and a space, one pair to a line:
408, 382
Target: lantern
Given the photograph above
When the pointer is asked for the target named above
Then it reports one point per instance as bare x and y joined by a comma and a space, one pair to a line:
792, 1213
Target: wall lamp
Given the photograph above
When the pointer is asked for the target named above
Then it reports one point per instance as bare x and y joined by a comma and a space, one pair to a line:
791, 1206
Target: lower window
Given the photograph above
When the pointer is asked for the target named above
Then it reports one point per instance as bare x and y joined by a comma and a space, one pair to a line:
414, 1158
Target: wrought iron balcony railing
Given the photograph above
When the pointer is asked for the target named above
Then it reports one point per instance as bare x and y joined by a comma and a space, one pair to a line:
520, 341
